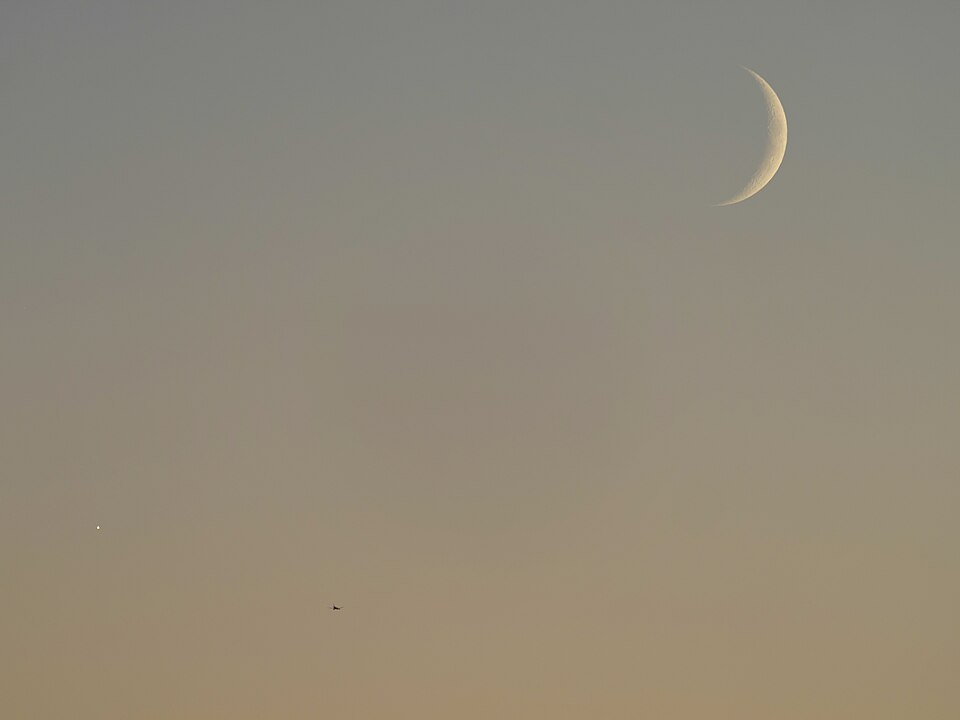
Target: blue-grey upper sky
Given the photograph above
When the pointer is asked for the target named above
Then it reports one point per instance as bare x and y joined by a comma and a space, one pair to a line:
423, 309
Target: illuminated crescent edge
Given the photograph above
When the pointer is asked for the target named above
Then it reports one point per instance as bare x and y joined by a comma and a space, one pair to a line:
776, 144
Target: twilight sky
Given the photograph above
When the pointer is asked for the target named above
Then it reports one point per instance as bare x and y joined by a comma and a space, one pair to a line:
421, 308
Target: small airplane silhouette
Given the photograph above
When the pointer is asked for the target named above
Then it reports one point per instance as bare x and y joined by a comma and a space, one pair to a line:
335, 607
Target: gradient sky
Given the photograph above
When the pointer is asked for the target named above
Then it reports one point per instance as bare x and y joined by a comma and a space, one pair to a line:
421, 308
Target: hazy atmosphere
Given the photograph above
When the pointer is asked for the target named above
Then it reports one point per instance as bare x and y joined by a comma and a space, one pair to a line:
424, 310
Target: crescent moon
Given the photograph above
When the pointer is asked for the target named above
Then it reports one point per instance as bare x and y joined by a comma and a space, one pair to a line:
776, 144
